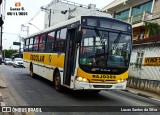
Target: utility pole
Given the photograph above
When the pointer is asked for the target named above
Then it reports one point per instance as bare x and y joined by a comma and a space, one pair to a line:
23, 28
49, 16
20, 47
4, 54
1, 23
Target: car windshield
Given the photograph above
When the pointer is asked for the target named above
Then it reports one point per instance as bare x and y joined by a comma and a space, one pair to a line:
18, 59
8, 59
105, 49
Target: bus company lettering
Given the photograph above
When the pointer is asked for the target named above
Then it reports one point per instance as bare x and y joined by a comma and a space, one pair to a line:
39, 58
104, 76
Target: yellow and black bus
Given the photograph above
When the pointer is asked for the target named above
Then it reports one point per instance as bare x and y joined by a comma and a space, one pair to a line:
83, 53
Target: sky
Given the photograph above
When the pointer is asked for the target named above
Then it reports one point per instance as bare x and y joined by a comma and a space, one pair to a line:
12, 28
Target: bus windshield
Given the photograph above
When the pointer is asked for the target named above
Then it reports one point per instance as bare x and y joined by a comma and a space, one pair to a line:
105, 49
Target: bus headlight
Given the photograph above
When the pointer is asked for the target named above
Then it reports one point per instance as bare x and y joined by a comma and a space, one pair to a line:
121, 80
81, 79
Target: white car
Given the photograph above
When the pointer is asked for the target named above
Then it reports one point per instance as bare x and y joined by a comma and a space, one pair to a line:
18, 62
8, 61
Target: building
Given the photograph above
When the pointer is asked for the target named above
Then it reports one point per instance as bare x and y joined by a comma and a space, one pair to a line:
137, 12
144, 15
60, 10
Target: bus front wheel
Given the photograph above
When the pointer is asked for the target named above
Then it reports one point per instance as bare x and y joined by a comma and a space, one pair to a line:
57, 82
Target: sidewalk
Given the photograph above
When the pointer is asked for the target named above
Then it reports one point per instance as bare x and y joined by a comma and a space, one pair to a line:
142, 93
2, 82
2, 85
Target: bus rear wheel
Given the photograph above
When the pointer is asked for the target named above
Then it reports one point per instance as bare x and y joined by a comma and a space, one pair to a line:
57, 82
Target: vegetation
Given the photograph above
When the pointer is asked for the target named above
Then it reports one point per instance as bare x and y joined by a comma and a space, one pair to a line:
153, 28
8, 53
136, 65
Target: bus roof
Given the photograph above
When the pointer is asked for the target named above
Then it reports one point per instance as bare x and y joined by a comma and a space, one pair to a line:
70, 21
57, 26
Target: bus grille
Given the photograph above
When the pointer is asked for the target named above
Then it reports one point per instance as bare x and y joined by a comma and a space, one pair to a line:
102, 86
103, 81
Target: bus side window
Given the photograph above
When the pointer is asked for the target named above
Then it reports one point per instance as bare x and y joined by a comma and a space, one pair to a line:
60, 40
42, 40
35, 46
50, 42
31, 44
26, 45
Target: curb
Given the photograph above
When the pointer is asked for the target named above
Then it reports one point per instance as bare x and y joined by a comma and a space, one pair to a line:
2, 101
141, 94
2, 82
137, 93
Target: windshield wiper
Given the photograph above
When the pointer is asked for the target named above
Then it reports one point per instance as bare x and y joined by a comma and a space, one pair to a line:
102, 40
100, 36
116, 41
98, 33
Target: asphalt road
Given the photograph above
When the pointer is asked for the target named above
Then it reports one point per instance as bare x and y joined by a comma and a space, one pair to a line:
27, 91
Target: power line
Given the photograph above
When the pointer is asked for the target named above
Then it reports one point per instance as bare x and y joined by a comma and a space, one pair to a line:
18, 35
33, 17
10, 33
17, 38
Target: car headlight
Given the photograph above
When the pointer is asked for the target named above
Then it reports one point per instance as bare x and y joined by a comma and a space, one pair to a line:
121, 80
81, 79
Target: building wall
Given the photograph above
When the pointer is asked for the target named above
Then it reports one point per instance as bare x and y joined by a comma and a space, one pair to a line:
156, 8
57, 7
156, 12
146, 72
145, 77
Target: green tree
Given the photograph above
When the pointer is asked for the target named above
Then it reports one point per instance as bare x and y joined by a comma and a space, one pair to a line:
153, 27
8, 53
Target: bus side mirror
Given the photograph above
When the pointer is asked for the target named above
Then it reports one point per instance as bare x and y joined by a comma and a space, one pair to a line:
79, 36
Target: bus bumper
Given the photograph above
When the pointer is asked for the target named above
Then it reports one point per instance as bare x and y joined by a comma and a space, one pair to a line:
99, 86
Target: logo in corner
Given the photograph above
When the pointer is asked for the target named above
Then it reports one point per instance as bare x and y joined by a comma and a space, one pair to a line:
17, 10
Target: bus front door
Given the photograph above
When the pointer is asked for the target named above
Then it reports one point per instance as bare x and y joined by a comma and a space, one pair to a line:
70, 56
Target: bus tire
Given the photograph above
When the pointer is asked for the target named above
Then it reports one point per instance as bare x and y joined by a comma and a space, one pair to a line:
31, 71
57, 82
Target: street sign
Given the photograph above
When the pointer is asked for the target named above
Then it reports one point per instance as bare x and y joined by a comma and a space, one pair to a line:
17, 43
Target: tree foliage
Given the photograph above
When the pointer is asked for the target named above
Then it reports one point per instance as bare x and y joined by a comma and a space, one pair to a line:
153, 28
8, 53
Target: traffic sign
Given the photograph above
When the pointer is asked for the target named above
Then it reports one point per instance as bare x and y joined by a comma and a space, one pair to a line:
17, 43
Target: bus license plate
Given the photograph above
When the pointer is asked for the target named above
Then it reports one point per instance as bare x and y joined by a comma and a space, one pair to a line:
119, 87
